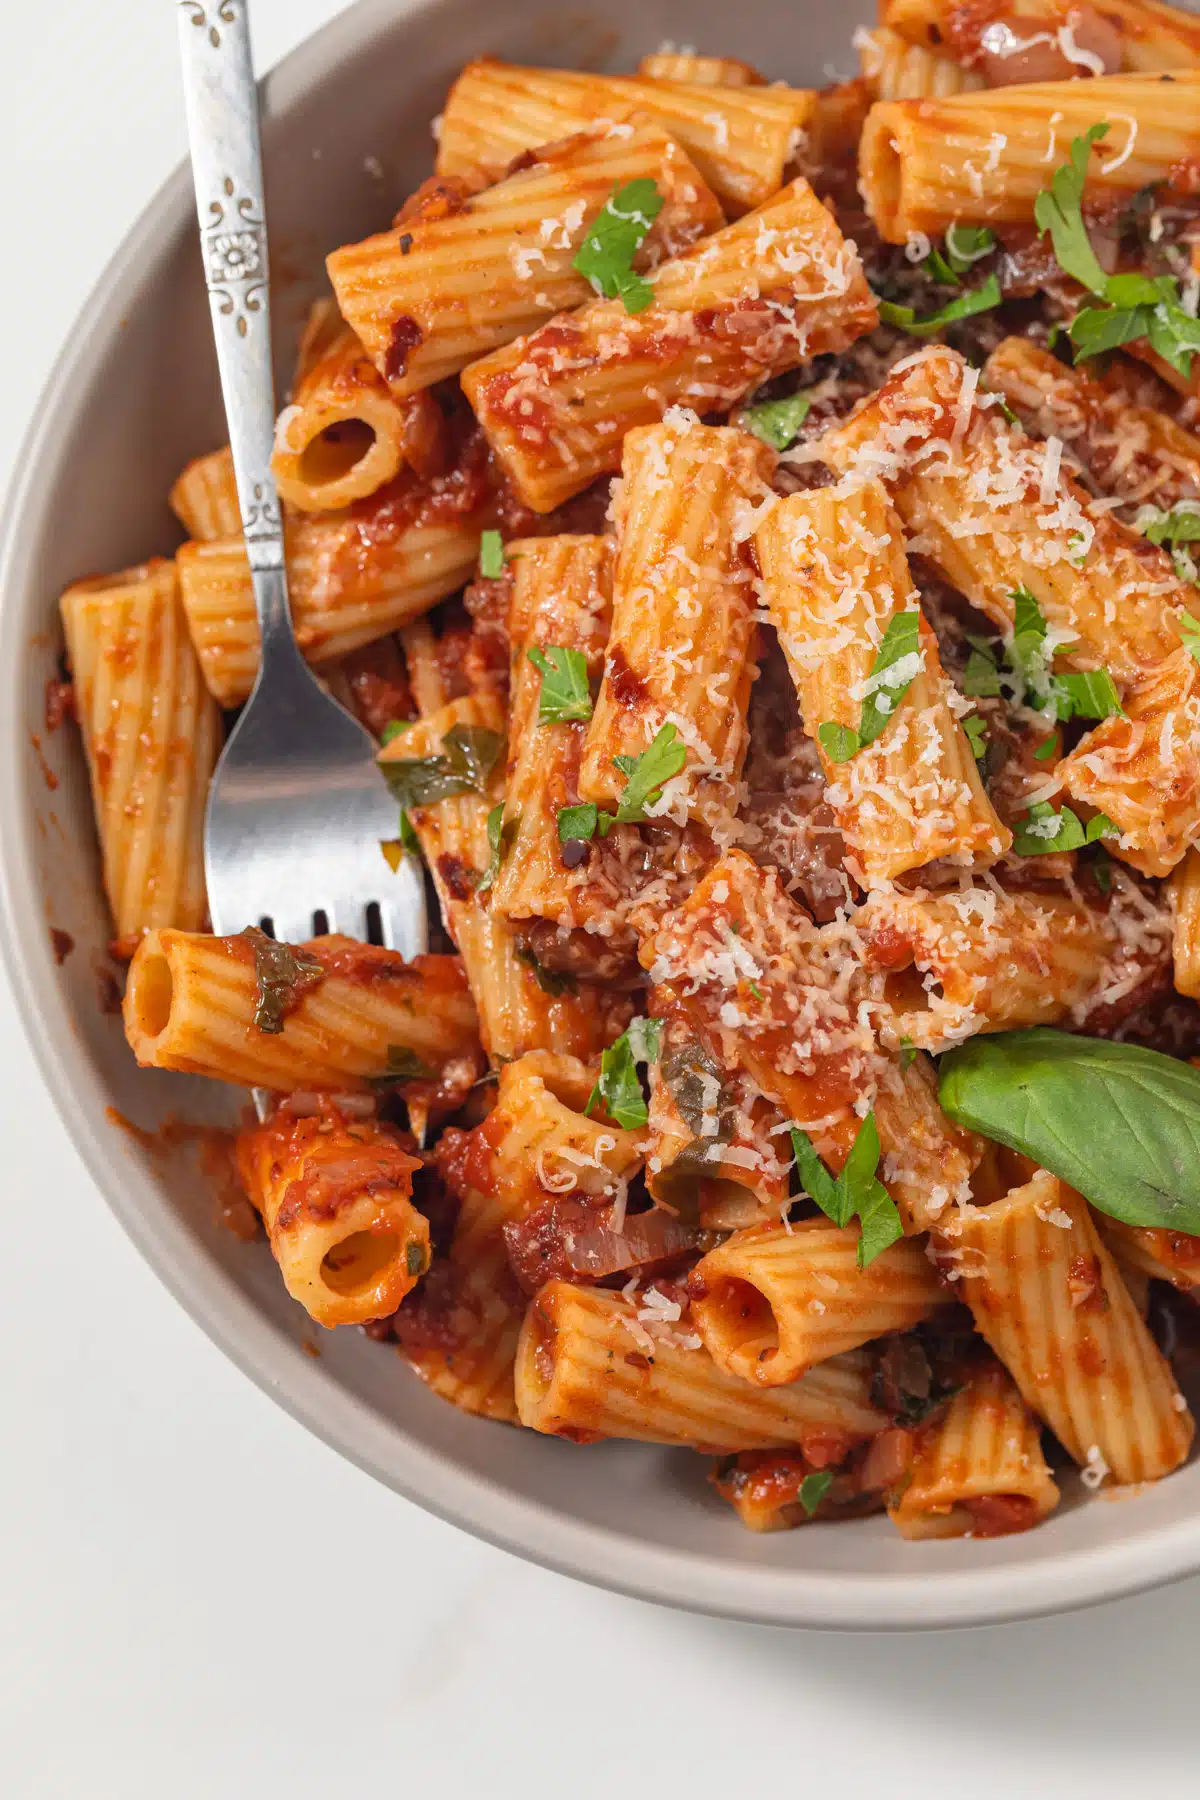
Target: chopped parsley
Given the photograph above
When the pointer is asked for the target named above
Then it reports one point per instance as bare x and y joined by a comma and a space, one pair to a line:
965, 306
897, 663
393, 728
283, 974
1024, 667
908, 1054
469, 754
1131, 307
645, 776
565, 697
606, 255
1173, 530
777, 422
619, 1086
1043, 830
976, 735
814, 1488
964, 245
1189, 631
856, 1193
491, 555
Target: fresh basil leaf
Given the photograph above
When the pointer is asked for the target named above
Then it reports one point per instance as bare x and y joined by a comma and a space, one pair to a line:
697, 1086
857, 1192
899, 659
393, 728
414, 1256
470, 753
818, 1183
606, 256
1118, 1122
1174, 335
620, 1087
908, 1054
645, 775
500, 837
982, 677
813, 1489
283, 974
1043, 830
491, 555
1058, 210
777, 422
1046, 748
839, 742
1088, 696
578, 822
1102, 866
565, 696
976, 734
555, 982
975, 300
879, 1224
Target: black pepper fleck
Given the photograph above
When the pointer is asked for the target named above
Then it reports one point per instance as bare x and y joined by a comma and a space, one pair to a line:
405, 242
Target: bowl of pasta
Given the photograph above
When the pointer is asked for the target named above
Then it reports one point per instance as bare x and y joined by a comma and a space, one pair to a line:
752, 508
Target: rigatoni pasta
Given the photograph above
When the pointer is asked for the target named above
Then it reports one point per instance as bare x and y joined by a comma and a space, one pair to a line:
441, 291
782, 638
740, 138
151, 735
778, 287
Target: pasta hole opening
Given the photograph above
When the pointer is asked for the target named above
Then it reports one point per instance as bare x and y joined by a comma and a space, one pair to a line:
154, 995
905, 991
335, 452
743, 1319
356, 1264
566, 1090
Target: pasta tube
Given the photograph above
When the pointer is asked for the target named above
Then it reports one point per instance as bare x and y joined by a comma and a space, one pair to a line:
1049, 1299
205, 498
978, 1469
434, 294
334, 1195
684, 599
928, 164
223, 1007
740, 139
752, 301
151, 734
835, 580
895, 69
774, 1301
587, 1367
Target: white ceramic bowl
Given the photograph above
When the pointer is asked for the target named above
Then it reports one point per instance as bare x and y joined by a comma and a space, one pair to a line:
134, 395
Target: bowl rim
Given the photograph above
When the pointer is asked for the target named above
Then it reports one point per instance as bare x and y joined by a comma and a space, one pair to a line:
430, 1478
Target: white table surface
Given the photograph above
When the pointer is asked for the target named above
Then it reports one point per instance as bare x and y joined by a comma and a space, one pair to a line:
199, 1600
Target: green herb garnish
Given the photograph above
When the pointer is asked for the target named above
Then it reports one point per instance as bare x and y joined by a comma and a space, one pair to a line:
1119, 1123
283, 974
606, 255
393, 728
470, 753
965, 306
1025, 664
491, 555
813, 1489
565, 697
897, 664
777, 422
500, 837
1132, 306
619, 1086
555, 982
977, 735
403, 1064
856, 1193
1043, 830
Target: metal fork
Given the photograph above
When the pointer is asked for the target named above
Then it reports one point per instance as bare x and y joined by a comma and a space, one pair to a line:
297, 808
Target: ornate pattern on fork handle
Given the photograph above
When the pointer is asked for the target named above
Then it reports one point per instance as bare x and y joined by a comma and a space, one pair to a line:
222, 106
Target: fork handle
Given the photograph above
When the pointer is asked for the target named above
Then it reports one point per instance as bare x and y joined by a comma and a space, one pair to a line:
222, 117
